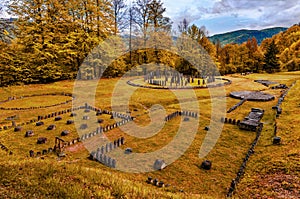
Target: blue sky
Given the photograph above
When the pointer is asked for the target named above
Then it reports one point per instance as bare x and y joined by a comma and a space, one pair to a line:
220, 16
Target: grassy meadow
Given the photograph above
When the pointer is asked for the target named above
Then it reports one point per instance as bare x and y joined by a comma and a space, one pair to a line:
75, 176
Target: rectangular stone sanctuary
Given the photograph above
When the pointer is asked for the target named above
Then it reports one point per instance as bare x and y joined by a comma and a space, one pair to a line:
252, 121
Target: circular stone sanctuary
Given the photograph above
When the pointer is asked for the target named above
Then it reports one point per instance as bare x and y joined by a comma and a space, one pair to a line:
252, 95
170, 79
29, 99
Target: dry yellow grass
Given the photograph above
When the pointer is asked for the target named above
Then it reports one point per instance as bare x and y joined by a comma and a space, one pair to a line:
184, 173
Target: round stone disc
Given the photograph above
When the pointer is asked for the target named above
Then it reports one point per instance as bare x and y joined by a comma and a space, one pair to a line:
252, 95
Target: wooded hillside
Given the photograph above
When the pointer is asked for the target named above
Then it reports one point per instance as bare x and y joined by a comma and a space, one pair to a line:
241, 36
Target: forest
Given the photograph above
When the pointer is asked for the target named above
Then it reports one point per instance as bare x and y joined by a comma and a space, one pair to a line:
50, 39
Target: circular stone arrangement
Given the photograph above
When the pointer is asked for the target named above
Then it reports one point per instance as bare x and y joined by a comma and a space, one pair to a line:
137, 83
252, 95
36, 95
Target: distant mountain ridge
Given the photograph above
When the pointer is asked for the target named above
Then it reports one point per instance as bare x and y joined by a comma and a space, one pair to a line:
241, 36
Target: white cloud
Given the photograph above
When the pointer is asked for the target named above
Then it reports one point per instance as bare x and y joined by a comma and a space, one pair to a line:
252, 13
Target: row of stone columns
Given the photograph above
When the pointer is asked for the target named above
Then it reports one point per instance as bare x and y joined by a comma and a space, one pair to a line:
189, 114
242, 168
107, 128
54, 114
237, 105
106, 160
112, 113
37, 107
277, 139
4, 148
108, 147
156, 182
39, 153
181, 113
230, 121
101, 154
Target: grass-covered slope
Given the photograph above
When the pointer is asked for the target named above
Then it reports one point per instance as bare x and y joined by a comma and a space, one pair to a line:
274, 170
37, 178
75, 176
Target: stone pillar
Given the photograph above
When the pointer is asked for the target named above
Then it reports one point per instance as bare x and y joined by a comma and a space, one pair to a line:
111, 146
31, 153
108, 161
113, 163
104, 159
107, 148
122, 140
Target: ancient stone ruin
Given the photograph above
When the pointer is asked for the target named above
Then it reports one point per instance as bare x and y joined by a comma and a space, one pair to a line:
266, 83
252, 121
39, 123
51, 127
249, 96
83, 126
206, 164
252, 95
280, 86
85, 117
70, 122
18, 128
41, 140
3, 147
242, 168
171, 79
59, 144
65, 133
57, 118
128, 150
276, 140
36, 95
73, 114
100, 121
156, 182
29, 133
159, 164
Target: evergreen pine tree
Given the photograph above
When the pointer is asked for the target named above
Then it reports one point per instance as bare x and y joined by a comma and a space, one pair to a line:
270, 58
156, 19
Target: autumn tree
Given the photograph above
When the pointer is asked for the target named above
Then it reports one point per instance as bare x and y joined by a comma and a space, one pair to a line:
141, 18
119, 10
218, 47
150, 17
183, 26
195, 46
196, 33
55, 36
200, 36
228, 59
130, 15
5, 25
252, 46
288, 43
